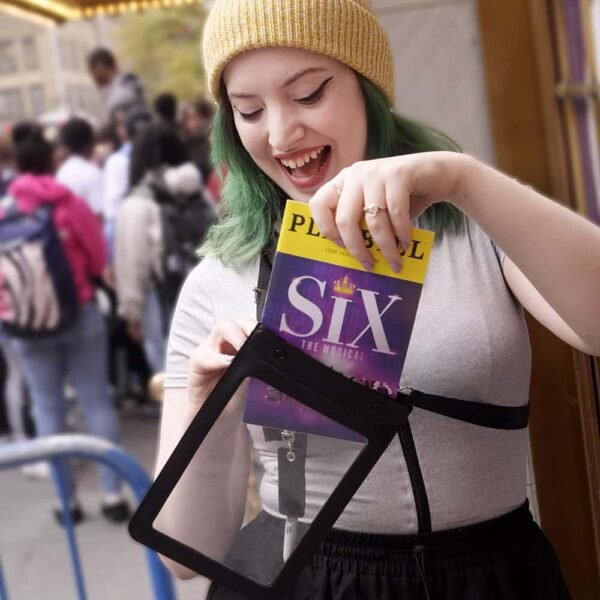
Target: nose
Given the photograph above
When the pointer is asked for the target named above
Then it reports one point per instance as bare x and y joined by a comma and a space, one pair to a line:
285, 130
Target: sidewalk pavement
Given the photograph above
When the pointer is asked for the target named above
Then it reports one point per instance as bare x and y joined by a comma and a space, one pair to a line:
33, 548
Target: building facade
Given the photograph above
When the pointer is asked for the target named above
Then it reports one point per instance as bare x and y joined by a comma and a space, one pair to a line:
43, 70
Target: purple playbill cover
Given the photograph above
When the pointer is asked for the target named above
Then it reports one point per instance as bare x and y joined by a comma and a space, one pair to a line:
322, 301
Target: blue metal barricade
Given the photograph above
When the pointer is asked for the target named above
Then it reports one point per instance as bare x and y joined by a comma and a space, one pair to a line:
60, 447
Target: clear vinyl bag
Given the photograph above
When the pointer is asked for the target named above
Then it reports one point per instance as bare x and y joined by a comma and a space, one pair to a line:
281, 437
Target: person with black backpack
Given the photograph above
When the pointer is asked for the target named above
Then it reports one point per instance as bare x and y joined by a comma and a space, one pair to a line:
51, 249
160, 224
14, 401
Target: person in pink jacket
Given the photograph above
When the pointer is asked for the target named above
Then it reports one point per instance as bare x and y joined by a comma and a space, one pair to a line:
77, 353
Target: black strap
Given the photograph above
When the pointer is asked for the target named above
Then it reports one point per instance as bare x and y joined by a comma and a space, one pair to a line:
413, 466
477, 413
292, 484
264, 276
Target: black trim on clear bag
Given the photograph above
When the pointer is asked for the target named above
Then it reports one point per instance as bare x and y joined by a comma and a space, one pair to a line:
375, 416
268, 357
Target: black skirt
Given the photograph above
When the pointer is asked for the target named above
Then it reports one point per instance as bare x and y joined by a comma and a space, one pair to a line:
507, 558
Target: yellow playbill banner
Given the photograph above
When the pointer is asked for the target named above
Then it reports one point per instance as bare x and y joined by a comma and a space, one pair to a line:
300, 237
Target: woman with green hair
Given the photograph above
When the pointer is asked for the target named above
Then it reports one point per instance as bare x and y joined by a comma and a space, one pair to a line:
253, 204
304, 91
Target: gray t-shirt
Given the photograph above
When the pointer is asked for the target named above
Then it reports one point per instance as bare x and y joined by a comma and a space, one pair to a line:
469, 341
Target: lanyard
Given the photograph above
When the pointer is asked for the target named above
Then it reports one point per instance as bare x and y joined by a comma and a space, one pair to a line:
291, 458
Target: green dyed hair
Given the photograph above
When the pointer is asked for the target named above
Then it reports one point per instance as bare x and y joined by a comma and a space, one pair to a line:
252, 204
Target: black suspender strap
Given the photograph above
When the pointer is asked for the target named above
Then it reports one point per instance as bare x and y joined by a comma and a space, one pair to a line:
415, 475
476, 413
264, 275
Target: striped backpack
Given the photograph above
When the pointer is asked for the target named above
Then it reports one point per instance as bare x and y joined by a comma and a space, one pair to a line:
37, 291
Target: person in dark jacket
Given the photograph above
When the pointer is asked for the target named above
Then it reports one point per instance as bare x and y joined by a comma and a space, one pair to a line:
121, 91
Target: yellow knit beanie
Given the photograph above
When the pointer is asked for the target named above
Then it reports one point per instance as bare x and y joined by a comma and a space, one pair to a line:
346, 30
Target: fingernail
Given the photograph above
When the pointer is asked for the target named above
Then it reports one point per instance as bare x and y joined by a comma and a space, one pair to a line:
405, 244
395, 267
368, 266
339, 242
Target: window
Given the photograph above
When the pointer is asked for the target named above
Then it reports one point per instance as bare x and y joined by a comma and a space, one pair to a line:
37, 98
11, 104
83, 53
72, 96
31, 58
81, 98
8, 60
70, 55
79, 58
595, 19
576, 91
73, 58
65, 54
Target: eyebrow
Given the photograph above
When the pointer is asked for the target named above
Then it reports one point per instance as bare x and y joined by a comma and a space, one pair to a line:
287, 82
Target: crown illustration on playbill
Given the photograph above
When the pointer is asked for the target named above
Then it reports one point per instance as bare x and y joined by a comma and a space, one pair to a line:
344, 286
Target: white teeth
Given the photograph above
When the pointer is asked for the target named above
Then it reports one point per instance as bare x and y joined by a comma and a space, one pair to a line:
302, 160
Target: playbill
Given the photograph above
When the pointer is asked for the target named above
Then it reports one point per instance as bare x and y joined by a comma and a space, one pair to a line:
322, 301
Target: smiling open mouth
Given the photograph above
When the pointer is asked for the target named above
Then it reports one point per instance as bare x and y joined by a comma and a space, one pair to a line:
307, 166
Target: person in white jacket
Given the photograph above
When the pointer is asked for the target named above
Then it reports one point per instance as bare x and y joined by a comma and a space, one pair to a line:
78, 172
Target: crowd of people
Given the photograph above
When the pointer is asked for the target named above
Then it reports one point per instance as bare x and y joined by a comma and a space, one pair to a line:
113, 216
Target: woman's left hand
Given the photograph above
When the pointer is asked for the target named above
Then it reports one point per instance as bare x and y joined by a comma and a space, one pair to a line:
552, 255
396, 189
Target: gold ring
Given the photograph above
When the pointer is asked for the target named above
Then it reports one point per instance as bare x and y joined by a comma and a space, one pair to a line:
373, 209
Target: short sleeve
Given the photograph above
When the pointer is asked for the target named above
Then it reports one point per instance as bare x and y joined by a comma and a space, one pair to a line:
192, 321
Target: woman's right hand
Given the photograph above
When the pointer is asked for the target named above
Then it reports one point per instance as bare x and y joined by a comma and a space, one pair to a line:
211, 358
213, 487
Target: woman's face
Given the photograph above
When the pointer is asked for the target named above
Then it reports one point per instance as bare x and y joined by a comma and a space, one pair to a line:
300, 115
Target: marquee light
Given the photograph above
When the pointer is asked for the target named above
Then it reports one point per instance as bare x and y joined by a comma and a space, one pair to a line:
77, 9
128, 6
27, 15
55, 9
